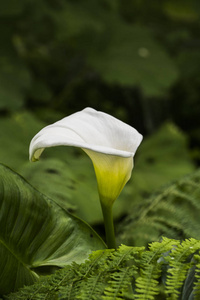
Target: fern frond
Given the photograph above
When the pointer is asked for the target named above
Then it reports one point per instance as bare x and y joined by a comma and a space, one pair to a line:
197, 276
93, 287
98, 260
179, 264
124, 255
158, 248
173, 212
91, 277
164, 270
118, 278
120, 283
147, 284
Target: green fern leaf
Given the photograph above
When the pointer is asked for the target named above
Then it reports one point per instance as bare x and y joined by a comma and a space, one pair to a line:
197, 276
172, 212
179, 264
163, 271
119, 283
124, 255
147, 284
93, 287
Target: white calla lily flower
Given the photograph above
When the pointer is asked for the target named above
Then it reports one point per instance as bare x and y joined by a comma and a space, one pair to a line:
110, 143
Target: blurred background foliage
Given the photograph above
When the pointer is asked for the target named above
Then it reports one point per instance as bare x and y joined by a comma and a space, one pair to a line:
139, 61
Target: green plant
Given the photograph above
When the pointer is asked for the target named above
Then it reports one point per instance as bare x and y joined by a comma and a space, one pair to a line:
173, 212
37, 236
46, 248
111, 145
164, 271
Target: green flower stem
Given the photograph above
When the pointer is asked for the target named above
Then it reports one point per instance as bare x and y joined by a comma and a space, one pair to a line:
109, 226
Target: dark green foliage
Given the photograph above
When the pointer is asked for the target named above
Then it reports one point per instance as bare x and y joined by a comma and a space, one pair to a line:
161, 158
15, 79
127, 273
177, 272
36, 235
197, 283
139, 60
51, 49
132, 48
173, 212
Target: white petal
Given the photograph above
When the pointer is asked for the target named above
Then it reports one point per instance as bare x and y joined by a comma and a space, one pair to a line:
89, 129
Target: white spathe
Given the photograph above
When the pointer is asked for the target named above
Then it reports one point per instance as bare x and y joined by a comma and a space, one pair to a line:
110, 143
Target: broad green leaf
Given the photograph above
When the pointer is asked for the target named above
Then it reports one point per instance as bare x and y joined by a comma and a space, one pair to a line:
36, 235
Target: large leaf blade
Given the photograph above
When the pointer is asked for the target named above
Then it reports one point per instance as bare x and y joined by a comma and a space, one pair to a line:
35, 232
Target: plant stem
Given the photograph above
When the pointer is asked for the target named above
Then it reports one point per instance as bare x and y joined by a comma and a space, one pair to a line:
109, 226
